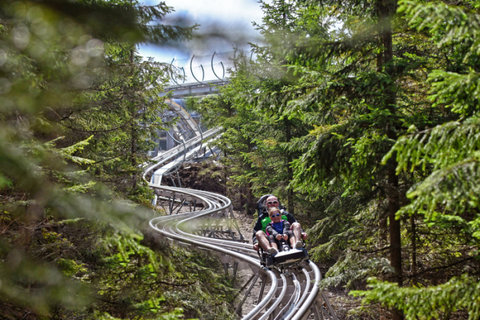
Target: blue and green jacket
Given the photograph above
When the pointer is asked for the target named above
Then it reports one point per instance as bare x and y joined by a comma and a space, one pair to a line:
259, 225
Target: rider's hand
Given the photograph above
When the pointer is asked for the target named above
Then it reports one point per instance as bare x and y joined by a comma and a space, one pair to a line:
279, 237
255, 246
285, 237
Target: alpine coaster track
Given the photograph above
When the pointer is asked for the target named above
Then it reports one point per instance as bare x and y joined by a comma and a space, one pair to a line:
204, 220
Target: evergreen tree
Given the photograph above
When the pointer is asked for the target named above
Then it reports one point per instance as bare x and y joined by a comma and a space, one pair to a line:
122, 115
69, 74
445, 157
349, 92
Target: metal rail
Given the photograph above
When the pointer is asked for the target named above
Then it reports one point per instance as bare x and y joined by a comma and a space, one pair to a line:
291, 295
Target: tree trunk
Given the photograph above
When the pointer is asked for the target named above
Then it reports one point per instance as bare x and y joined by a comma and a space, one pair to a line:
133, 153
394, 225
413, 231
133, 131
288, 161
386, 10
394, 230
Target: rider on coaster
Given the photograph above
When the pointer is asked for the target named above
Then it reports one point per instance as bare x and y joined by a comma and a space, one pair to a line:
278, 231
259, 237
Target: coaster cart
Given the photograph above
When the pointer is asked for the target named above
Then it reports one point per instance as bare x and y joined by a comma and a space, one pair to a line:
286, 257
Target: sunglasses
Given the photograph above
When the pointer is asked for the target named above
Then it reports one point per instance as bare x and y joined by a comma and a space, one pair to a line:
275, 215
272, 202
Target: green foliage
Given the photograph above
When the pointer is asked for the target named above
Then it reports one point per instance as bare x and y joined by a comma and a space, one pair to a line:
148, 283
35, 285
443, 159
450, 153
69, 151
174, 315
126, 246
362, 128
425, 303
330, 113
256, 109
355, 242
70, 267
457, 86
354, 269
131, 124
78, 108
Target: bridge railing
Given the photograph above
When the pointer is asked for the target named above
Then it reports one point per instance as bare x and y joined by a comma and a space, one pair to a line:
195, 88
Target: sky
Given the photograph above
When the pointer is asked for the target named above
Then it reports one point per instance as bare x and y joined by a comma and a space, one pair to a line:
232, 17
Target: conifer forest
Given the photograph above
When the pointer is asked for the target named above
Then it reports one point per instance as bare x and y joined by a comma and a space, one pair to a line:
363, 117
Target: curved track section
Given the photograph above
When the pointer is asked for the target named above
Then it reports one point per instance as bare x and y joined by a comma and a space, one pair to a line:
290, 294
